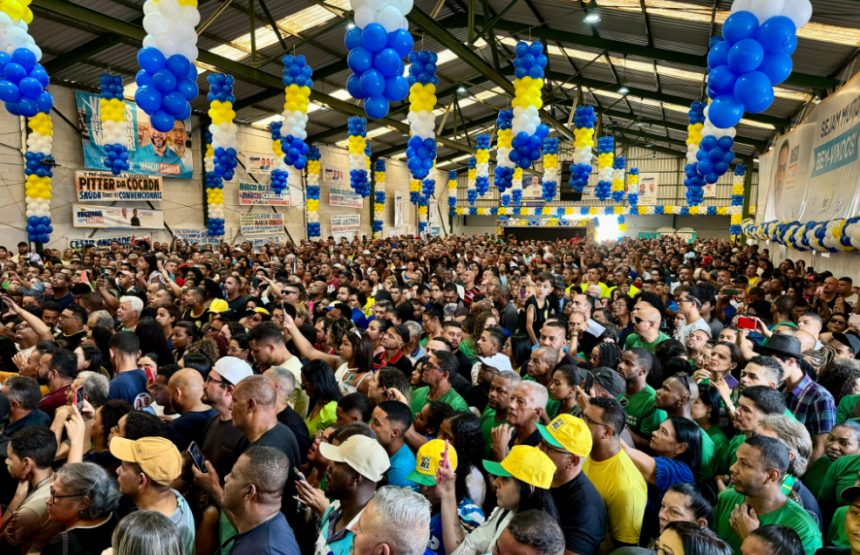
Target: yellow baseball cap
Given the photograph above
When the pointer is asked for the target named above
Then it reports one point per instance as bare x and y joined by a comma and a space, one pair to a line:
219, 305
527, 464
569, 433
158, 457
429, 458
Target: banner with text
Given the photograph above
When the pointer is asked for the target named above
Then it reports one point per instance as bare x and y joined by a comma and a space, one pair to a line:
398, 208
260, 194
195, 236
345, 222
260, 224
648, 185
258, 242
342, 195
116, 216
150, 151
334, 175
102, 244
105, 186
260, 163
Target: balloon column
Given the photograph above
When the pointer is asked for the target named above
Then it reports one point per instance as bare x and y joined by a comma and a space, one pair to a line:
633, 187
471, 182
584, 119
422, 98
695, 123
504, 166
379, 199
517, 186
357, 157
482, 173
550, 168
528, 132
605, 161
313, 189
168, 79
622, 224
224, 132
376, 44
298, 83
452, 192
114, 129
737, 207
280, 172
423, 208
22, 79
214, 185
618, 179
37, 187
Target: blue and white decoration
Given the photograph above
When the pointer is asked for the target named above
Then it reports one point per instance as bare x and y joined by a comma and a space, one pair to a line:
584, 119
114, 127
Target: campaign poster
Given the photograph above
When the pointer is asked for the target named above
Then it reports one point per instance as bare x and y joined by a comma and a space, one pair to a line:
84, 215
532, 191
261, 224
709, 190
259, 242
345, 222
103, 244
433, 210
105, 186
398, 208
342, 195
195, 236
334, 175
648, 185
252, 194
150, 152
260, 163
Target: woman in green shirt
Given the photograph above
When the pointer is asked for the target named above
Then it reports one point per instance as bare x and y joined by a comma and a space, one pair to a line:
319, 383
706, 413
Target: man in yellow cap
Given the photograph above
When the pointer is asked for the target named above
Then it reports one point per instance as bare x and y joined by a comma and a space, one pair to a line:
566, 440
149, 466
431, 457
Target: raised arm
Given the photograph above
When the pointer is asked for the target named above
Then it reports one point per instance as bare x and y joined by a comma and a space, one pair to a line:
646, 464
36, 323
304, 346
109, 299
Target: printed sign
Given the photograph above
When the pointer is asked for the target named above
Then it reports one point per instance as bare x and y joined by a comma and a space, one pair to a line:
398, 209
532, 191
334, 175
260, 163
344, 196
260, 224
258, 242
261, 194
150, 151
116, 216
709, 190
345, 222
433, 211
103, 244
195, 236
105, 186
648, 185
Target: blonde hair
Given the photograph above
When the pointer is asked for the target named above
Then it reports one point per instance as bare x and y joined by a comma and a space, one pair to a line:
146, 533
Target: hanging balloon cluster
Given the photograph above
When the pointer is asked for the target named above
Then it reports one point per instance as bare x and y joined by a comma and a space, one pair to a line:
379, 199
224, 132
37, 187
168, 79
550, 168
376, 45
633, 187
584, 119
422, 98
15, 17
428, 187
313, 190
298, 83
605, 161
280, 172
471, 181
114, 129
528, 132
618, 179
357, 157
452, 192
482, 157
622, 224
737, 207
504, 166
214, 185
695, 123
23, 80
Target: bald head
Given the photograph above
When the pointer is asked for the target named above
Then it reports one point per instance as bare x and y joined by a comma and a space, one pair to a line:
649, 314
186, 389
807, 340
260, 389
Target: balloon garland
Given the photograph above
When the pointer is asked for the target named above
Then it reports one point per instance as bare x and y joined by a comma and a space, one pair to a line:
838, 235
618, 179
633, 187
550, 168
593, 211
168, 78
423, 205
280, 172
471, 182
313, 190
528, 132
504, 167
452, 191
421, 151
584, 119
114, 129
37, 187
298, 83
737, 200
379, 199
605, 161
224, 132
622, 224
214, 185
357, 156
695, 123
376, 44
482, 173
517, 186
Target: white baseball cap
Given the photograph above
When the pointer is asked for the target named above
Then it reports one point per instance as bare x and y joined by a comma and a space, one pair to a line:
498, 361
363, 454
233, 369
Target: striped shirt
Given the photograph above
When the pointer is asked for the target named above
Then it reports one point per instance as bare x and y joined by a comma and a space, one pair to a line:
812, 405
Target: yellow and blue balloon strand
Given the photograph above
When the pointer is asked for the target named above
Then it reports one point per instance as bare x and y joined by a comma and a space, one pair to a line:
550, 169
379, 199
471, 179
482, 166
313, 191
358, 158
504, 167
618, 179
298, 83
452, 193
37, 187
633, 187
584, 119
737, 208
605, 163
114, 128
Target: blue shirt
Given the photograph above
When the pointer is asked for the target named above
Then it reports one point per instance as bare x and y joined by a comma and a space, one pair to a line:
148, 161
329, 542
359, 319
130, 386
471, 516
402, 463
273, 537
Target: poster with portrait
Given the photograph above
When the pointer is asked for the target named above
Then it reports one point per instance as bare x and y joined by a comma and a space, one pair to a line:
85, 215
398, 208
709, 190
433, 211
150, 152
260, 163
648, 185
333, 175
532, 190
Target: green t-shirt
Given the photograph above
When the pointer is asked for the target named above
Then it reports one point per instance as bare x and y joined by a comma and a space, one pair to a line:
730, 455
836, 533
488, 424
709, 457
815, 475
846, 405
419, 399
841, 474
633, 341
643, 417
791, 514
552, 407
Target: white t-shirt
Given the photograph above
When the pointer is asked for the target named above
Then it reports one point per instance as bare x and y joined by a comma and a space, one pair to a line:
299, 400
684, 331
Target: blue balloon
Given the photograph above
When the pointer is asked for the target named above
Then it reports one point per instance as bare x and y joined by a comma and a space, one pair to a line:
712, 178
522, 48
151, 59
719, 55
542, 131
729, 157
45, 102
777, 34
148, 98
725, 111
715, 155
352, 39
14, 72
739, 26
401, 41
9, 92
707, 143
396, 88
174, 103
376, 107
386, 62
722, 80
187, 88
28, 107
763, 105
752, 88
164, 80
726, 143
745, 55
777, 67
374, 37
372, 83
178, 65
24, 57
41, 75
360, 59
720, 168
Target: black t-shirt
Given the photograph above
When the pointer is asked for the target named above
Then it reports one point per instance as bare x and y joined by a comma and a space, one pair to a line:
401, 362
291, 419
273, 537
465, 365
83, 541
476, 397
198, 321
189, 427
583, 515
70, 342
237, 308
222, 445
567, 360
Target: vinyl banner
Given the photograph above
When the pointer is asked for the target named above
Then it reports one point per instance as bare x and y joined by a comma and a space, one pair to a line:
532, 191
150, 151
433, 211
102, 244
84, 215
398, 209
259, 242
813, 171
259, 224
105, 186
260, 163
345, 222
333, 175
260, 194
342, 195
195, 236
648, 185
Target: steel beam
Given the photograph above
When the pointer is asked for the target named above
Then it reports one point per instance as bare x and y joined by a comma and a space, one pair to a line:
661, 149
82, 52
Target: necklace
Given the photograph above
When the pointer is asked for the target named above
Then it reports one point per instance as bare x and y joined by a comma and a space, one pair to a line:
40, 484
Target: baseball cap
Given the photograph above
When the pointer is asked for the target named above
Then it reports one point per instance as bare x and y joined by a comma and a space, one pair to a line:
610, 380
336, 304
527, 464
498, 361
219, 305
262, 310
363, 454
428, 459
158, 457
569, 433
403, 332
849, 340
707, 260
850, 493
233, 369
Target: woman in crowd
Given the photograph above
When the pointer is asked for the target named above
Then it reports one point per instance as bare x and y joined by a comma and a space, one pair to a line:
562, 388
240, 348
518, 348
146, 533
686, 502
605, 354
167, 316
375, 330
463, 431
319, 383
150, 334
687, 538
90, 358
706, 413
184, 334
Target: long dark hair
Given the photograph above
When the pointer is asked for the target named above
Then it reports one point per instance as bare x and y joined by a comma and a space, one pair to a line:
710, 396
321, 377
687, 431
536, 498
469, 442
152, 340
362, 349
699, 540
700, 504
102, 337
521, 348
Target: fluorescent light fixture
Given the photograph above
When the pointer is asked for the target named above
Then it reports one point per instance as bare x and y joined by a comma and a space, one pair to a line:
593, 17
461, 89
623, 90
649, 146
350, 25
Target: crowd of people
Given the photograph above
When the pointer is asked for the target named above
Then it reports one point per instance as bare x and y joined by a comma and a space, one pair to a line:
438, 396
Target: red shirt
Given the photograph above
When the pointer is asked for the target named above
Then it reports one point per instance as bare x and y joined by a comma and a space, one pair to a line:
53, 401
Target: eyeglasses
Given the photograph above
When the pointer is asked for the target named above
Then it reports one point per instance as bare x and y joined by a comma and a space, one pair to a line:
210, 379
681, 377
54, 497
595, 422
237, 349
547, 447
429, 366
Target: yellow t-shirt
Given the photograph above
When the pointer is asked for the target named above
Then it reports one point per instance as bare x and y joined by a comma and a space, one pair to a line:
4, 375
604, 289
625, 493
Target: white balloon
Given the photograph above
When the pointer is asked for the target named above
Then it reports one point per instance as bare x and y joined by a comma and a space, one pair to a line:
741, 6
180, 31
5, 21
155, 24
356, 4
149, 41
390, 18
188, 50
17, 37
377, 4
765, 9
404, 24
37, 51
169, 9
364, 16
405, 6
799, 11
166, 45
190, 14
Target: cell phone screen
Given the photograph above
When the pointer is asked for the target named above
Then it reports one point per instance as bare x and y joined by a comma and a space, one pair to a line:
197, 457
150, 375
79, 398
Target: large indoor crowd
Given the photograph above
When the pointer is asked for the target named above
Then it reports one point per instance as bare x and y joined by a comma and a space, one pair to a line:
439, 396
